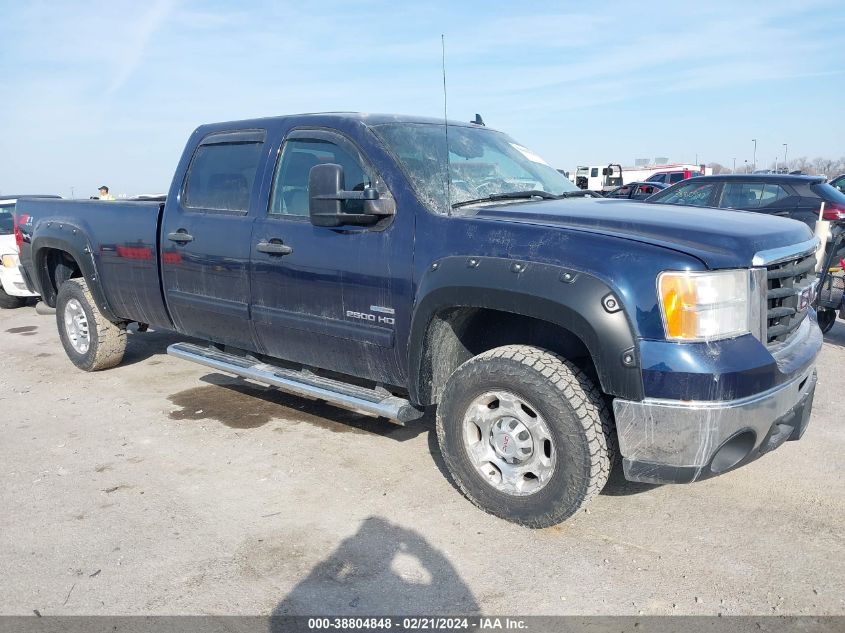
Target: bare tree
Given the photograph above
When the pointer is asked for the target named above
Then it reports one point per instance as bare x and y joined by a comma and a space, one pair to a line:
800, 164
827, 166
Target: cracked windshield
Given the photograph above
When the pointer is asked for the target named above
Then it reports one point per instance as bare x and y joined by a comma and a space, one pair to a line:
483, 164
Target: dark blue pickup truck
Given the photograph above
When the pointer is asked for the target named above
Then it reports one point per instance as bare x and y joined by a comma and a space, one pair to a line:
389, 264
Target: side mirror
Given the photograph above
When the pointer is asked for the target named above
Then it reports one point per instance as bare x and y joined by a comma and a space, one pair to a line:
329, 204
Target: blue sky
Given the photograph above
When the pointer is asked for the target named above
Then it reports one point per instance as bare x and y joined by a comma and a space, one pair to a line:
108, 92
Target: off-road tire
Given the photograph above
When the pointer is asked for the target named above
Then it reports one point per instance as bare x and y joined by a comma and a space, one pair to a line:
573, 408
8, 302
107, 339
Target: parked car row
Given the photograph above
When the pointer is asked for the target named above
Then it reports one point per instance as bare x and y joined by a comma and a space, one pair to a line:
796, 197
636, 190
13, 289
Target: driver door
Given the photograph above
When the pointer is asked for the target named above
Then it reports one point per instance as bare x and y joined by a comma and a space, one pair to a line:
328, 297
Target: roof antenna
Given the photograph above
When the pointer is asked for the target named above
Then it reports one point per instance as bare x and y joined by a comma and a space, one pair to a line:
446, 127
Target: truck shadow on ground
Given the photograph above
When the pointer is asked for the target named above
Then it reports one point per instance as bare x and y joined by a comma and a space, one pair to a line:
618, 486
141, 346
244, 405
836, 336
382, 569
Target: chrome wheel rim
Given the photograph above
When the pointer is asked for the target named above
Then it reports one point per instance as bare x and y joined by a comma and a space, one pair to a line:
76, 326
509, 443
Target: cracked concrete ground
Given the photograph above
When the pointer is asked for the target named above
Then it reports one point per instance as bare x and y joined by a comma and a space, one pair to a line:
160, 487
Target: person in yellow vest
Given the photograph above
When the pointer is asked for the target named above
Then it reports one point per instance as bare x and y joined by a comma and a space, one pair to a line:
104, 193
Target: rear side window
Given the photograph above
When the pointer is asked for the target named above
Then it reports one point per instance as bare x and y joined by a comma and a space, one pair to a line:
737, 195
771, 194
677, 176
220, 177
6, 221
657, 178
755, 195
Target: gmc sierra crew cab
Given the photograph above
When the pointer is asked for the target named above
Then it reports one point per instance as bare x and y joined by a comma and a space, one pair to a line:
392, 264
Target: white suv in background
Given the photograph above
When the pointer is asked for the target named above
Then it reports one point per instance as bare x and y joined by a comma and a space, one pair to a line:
13, 290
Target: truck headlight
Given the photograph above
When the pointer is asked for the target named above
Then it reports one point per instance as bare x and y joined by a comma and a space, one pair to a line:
704, 306
10, 261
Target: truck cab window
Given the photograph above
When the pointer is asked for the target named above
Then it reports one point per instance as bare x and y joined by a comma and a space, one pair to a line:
290, 182
220, 177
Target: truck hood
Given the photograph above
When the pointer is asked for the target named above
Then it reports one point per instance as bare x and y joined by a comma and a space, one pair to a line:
719, 238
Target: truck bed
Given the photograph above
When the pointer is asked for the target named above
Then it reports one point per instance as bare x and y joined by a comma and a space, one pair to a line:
125, 255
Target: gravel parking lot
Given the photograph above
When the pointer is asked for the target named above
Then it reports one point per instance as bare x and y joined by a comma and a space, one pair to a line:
160, 487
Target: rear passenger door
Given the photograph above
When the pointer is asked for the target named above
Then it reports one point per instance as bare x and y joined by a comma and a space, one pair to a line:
205, 239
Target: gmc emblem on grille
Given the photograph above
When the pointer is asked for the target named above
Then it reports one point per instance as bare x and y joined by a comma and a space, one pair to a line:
806, 297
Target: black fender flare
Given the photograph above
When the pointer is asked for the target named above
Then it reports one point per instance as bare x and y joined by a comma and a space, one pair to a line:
64, 236
575, 300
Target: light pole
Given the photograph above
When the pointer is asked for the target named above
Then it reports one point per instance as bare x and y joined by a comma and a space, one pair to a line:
776, 164
72, 197
785, 150
734, 171
746, 165
754, 161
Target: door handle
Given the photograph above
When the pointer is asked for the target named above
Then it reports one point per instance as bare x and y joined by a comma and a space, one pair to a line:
274, 247
181, 236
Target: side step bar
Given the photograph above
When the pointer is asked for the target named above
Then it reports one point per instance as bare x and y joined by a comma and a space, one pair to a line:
302, 383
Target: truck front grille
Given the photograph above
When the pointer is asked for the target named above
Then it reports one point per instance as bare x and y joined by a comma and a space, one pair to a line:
786, 281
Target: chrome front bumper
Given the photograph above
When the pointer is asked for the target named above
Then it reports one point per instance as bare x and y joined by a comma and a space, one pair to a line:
670, 441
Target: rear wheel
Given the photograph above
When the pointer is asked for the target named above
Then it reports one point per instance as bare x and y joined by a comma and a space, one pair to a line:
8, 302
525, 435
91, 341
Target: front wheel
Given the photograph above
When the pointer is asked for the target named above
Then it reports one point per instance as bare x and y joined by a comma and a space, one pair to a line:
525, 434
91, 341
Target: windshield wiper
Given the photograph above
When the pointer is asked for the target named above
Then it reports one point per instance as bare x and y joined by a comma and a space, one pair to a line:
581, 193
511, 195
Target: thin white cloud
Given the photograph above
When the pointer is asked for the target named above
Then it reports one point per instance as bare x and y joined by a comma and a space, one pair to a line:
136, 44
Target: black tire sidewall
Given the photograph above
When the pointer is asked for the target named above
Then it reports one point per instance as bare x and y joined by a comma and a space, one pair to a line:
10, 302
565, 492
826, 319
70, 290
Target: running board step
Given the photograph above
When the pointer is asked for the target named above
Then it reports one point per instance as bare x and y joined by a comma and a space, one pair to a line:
302, 383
